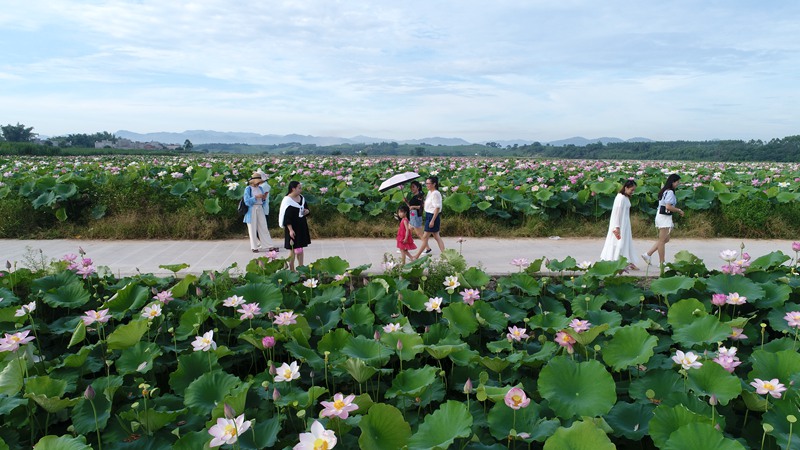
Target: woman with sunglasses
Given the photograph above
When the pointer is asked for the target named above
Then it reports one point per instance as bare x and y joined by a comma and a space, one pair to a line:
432, 222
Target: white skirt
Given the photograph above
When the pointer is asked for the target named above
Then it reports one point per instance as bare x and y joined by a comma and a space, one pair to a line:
664, 221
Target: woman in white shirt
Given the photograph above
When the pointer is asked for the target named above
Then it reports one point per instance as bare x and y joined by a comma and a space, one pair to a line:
432, 221
619, 241
666, 206
256, 197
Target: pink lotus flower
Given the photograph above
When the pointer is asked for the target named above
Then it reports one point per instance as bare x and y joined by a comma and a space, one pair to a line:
735, 299
249, 311
164, 296
12, 342
233, 301
728, 363
522, 263
152, 311
796, 246
318, 439
286, 318
392, 327
434, 304
737, 335
687, 360
340, 407
793, 319
772, 387
227, 431
579, 326
565, 340
205, 342
719, 299
470, 295
268, 342
515, 398
517, 334
287, 372
24, 310
93, 316
728, 255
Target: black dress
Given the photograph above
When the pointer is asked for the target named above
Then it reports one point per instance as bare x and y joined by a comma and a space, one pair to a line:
300, 226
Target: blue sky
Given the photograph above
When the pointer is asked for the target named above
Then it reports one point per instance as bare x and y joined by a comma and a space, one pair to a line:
479, 70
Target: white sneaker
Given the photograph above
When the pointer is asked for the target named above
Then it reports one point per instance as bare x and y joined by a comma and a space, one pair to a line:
646, 258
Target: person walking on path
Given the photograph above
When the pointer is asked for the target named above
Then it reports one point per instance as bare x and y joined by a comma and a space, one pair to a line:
405, 241
432, 222
667, 202
292, 219
256, 197
619, 240
415, 204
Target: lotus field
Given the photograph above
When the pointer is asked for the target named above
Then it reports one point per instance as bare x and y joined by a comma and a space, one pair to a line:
85, 189
431, 355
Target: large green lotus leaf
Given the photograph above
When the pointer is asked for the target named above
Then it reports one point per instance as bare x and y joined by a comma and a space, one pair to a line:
209, 389
333, 342
582, 389
127, 335
371, 351
332, 265
303, 353
661, 383
384, 427
412, 344
712, 380
769, 261
52, 282
582, 304
489, 317
62, 443
775, 295
494, 364
412, 382
705, 330
193, 440
264, 434
588, 336
726, 284
131, 297
344, 207
685, 312
630, 346
323, 318
522, 281
461, 318
45, 386
330, 296
359, 370
44, 199
440, 351
61, 214
72, 295
767, 365
64, 191
604, 269
212, 205
603, 187
443, 427
190, 367
549, 321
672, 285
458, 202
267, 295
191, 318
484, 205
78, 335
502, 419
624, 294
630, 420
180, 188
83, 415
359, 318
475, 278
580, 436
777, 417
568, 263
414, 300
700, 435
726, 198
668, 419
182, 287
11, 378
143, 354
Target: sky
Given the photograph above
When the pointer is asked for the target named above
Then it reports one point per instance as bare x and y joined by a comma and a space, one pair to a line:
479, 70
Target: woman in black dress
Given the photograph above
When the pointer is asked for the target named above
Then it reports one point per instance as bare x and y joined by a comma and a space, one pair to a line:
292, 219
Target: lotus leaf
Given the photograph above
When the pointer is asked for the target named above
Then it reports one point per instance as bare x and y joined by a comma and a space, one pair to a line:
672, 285
572, 388
630, 419
726, 284
668, 419
62, 443
203, 394
704, 330
712, 380
700, 435
384, 427
412, 382
442, 427
630, 346
580, 436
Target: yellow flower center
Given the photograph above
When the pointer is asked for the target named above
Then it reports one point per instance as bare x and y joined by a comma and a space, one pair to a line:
230, 430
516, 399
320, 444
338, 404
15, 339
769, 386
287, 374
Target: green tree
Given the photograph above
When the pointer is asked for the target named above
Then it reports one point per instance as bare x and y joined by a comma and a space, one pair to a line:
17, 133
187, 145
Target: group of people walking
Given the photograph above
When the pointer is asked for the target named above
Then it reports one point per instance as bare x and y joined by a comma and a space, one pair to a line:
291, 217
421, 215
619, 240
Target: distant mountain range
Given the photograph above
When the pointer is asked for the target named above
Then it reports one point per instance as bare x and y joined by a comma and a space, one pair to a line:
198, 137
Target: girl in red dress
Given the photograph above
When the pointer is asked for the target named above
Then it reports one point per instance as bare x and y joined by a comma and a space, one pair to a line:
405, 241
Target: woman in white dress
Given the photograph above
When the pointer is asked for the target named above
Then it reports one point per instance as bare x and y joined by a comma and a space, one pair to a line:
667, 204
619, 241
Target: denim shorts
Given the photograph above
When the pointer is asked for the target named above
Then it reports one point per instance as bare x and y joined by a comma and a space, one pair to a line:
415, 220
436, 224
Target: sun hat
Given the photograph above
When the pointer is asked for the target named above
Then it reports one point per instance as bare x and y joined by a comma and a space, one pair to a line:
259, 174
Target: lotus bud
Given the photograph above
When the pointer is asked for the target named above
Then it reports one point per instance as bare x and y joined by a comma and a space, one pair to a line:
8, 265
89, 393
713, 400
399, 345
268, 342
272, 370
377, 335
468, 386
229, 412
275, 395
198, 291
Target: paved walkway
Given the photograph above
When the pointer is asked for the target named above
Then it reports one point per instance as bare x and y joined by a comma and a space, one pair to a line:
492, 254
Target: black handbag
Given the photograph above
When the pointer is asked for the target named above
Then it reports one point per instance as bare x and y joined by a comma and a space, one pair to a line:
242, 208
663, 210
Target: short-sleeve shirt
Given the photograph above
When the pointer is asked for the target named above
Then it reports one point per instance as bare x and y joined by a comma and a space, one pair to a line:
432, 201
668, 198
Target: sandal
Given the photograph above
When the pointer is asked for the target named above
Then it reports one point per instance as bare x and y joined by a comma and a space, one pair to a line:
255, 250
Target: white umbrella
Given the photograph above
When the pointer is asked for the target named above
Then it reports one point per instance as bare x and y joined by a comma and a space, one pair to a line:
398, 180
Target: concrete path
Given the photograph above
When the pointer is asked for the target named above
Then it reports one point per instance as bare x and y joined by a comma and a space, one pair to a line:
492, 254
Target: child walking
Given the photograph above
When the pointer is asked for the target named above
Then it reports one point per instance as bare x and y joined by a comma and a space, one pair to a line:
405, 241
